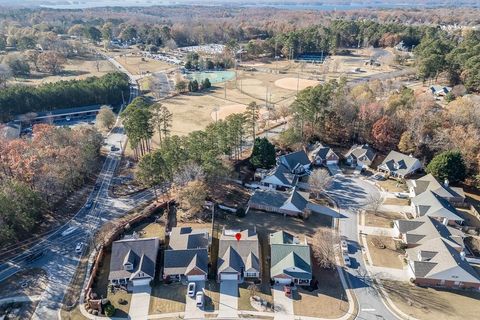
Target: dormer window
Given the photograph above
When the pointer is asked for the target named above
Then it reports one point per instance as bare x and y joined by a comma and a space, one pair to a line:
127, 266
396, 166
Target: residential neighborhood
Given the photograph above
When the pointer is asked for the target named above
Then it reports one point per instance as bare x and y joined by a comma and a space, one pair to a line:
271, 160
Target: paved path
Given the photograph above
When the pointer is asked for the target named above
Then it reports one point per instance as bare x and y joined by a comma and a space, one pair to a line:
140, 302
283, 304
376, 231
19, 299
228, 299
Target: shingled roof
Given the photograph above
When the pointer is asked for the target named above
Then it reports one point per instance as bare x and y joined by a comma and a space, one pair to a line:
429, 183
430, 204
399, 163
237, 255
140, 253
289, 257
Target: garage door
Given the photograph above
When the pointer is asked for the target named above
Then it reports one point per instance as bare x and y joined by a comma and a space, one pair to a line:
282, 280
196, 278
228, 276
141, 282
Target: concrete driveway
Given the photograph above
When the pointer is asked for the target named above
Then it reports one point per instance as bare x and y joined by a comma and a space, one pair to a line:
334, 169
140, 302
283, 304
191, 309
228, 299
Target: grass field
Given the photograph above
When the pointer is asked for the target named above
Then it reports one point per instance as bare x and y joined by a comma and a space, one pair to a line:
137, 65
78, 68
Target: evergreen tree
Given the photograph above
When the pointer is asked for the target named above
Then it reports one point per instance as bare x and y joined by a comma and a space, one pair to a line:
448, 165
263, 154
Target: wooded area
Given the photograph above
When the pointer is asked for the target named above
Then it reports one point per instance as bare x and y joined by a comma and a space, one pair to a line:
37, 173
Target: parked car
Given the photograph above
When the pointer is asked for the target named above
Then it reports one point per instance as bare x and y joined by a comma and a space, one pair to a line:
191, 289
200, 299
287, 290
79, 247
401, 195
88, 205
344, 246
346, 261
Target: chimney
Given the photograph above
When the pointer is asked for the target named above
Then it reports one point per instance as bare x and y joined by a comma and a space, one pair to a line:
445, 221
462, 255
446, 183
410, 155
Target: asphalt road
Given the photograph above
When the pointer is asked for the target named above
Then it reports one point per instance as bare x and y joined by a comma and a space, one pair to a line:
351, 194
56, 251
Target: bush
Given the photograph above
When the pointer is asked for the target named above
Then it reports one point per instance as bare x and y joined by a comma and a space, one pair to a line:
448, 165
109, 310
122, 301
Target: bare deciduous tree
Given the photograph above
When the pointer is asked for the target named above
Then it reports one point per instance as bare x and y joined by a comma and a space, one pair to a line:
189, 172
319, 180
373, 202
323, 247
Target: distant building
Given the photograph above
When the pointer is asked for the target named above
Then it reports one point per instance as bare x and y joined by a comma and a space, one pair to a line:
440, 91
288, 170
61, 114
133, 261
323, 155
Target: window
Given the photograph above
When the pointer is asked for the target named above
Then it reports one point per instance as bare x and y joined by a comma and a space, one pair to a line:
250, 274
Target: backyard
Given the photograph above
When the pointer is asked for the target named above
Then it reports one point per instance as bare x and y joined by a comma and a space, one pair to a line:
381, 219
383, 252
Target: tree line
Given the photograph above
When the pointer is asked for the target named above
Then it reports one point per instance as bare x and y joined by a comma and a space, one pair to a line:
388, 117
37, 173
20, 99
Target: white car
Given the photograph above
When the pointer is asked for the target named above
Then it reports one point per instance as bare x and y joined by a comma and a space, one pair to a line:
401, 195
79, 247
200, 299
344, 246
191, 289
346, 261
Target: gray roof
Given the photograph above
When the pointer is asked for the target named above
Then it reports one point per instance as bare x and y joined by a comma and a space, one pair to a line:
66, 111
425, 228
361, 151
437, 259
430, 204
283, 175
235, 256
429, 183
278, 199
322, 151
289, 257
399, 163
141, 253
294, 159
188, 238
184, 261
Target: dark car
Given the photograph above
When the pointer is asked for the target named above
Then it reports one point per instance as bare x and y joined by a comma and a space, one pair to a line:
34, 256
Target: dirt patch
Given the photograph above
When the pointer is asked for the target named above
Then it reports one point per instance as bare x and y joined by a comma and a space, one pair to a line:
383, 252
139, 65
329, 301
29, 282
295, 84
396, 201
381, 219
168, 298
392, 185
433, 304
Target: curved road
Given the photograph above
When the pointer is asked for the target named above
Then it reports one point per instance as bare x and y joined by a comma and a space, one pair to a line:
351, 193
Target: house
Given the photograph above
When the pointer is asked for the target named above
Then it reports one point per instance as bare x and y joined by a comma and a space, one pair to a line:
429, 183
360, 156
440, 90
187, 254
437, 263
290, 259
133, 261
296, 162
323, 155
423, 229
279, 178
430, 204
292, 203
399, 165
238, 259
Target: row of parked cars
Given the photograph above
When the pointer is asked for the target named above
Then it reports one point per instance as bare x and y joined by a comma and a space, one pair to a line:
199, 296
346, 258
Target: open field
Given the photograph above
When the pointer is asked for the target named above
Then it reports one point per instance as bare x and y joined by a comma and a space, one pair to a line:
433, 304
77, 68
138, 65
386, 257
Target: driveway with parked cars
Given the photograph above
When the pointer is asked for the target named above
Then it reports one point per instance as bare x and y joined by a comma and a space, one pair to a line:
192, 311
